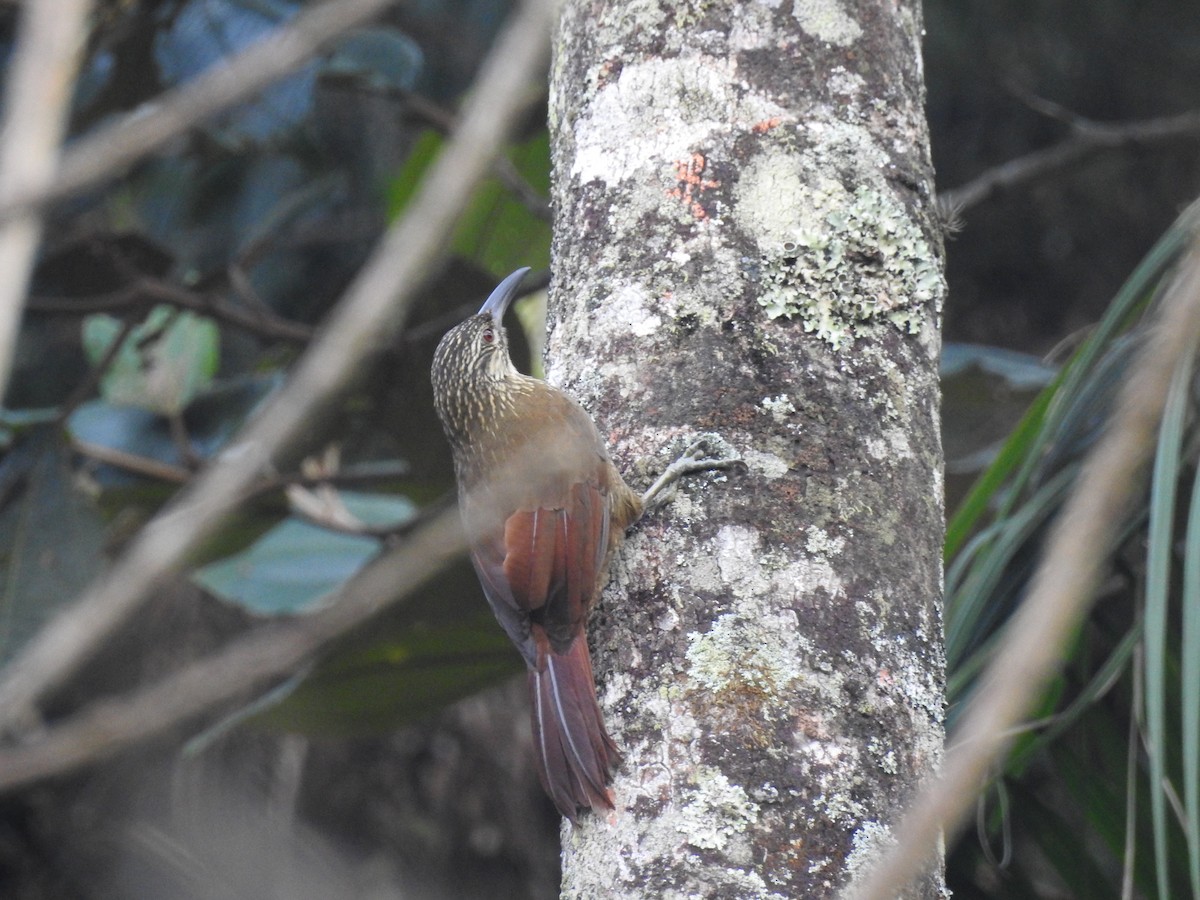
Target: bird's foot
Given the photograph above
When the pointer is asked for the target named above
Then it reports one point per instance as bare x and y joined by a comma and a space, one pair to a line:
707, 452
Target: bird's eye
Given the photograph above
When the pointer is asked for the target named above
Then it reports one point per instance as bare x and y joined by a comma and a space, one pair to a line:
489, 336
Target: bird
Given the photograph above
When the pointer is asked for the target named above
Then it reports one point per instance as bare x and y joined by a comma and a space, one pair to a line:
544, 509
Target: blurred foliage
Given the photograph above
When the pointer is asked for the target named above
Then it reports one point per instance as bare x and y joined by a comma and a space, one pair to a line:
168, 305
296, 564
496, 229
160, 364
1104, 783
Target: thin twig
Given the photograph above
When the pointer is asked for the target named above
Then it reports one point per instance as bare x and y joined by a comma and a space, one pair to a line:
370, 314
1087, 137
260, 323
84, 389
148, 128
132, 462
52, 33
177, 429
146, 291
1059, 595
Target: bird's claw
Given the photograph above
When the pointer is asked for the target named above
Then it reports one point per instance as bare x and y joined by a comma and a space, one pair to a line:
706, 453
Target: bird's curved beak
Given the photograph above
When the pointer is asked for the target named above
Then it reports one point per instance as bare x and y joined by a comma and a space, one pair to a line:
503, 295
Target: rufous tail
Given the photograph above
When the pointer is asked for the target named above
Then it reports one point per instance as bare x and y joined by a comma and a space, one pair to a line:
575, 754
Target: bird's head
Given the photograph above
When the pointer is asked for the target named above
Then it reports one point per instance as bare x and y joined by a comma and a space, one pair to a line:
474, 354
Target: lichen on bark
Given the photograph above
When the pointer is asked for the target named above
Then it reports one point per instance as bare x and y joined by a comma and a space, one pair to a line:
745, 245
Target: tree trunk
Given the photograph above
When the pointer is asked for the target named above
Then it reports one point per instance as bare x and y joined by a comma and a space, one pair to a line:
745, 244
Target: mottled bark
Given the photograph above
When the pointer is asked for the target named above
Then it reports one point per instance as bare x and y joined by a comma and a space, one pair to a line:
745, 244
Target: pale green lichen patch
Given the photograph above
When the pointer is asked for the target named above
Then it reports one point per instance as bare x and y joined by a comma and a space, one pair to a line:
766, 464
715, 811
842, 261
838, 802
781, 408
820, 542
885, 755
868, 843
735, 654
864, 262
826, 20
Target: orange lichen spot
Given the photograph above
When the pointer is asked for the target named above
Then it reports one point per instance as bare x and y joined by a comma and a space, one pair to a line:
692, 183
766, 124
605, 73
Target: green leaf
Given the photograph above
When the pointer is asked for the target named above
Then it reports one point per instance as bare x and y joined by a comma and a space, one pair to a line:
1190, 700
1158, 577
296, 564
161, 364
287, 570
496, 231
972, 608
379, 510
1022, 453
1011, 456
402, 188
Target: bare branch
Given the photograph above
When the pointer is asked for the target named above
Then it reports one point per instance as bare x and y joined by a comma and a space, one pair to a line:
372, 311
1087, 137
351, 476
38, 99
1060, 593
148, 128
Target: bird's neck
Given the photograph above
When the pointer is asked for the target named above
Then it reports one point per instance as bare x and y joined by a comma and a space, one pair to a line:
495, 420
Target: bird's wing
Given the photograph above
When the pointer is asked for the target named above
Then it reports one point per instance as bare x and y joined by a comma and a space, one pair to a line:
488, 559
541, 523
553, 556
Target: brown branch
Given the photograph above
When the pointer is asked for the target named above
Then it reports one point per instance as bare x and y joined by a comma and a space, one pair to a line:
370, 314
113, 301
177, 429
262, 323
154, 468
1087, 137
1060, 593
351, 476
132, 462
